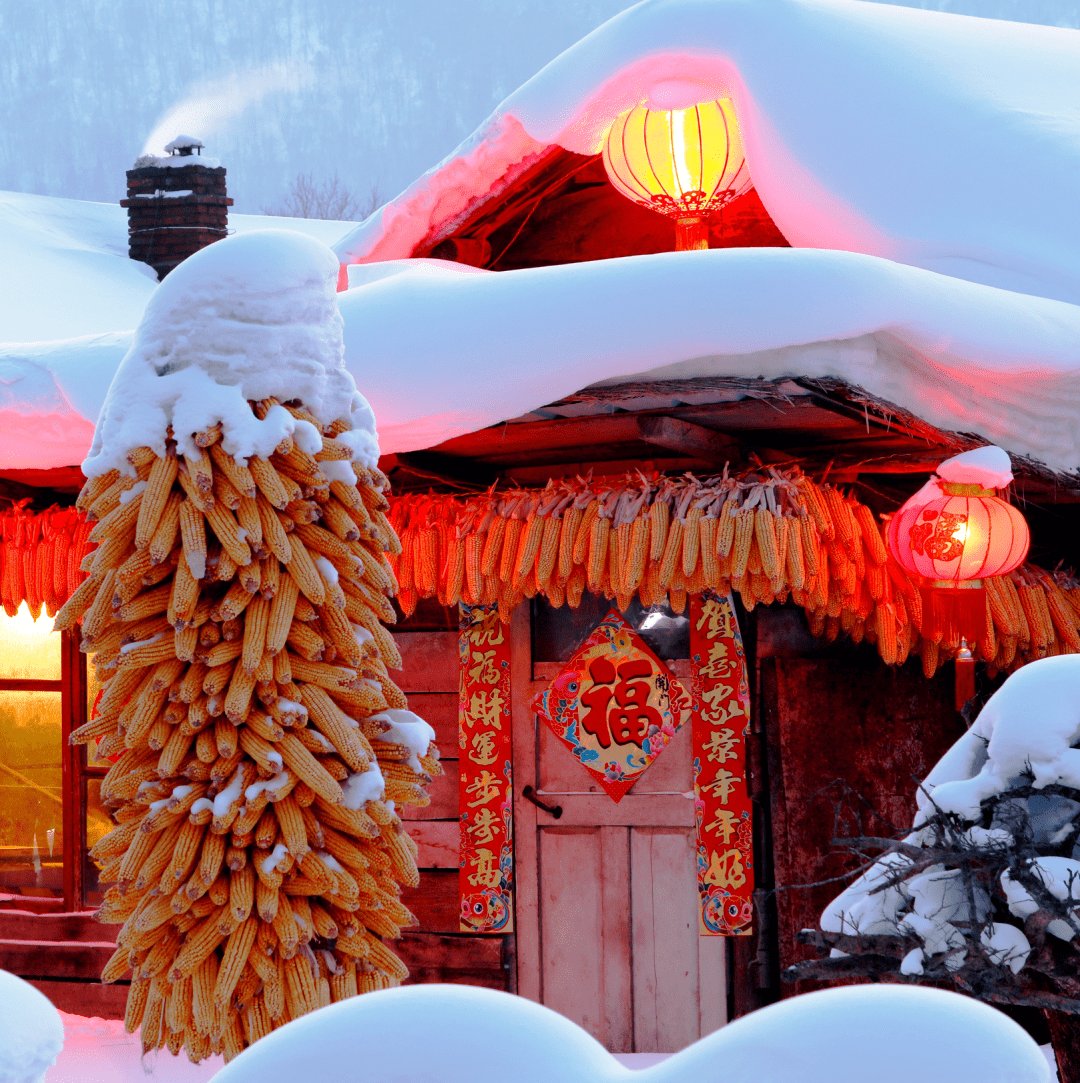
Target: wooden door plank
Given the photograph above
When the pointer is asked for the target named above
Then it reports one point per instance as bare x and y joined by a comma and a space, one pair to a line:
436, 902
20, 925
666, 1004
839, 726
616, 948
429, 662
55, 959
526, 852
599, 810
571, 926
712, 983
89, 999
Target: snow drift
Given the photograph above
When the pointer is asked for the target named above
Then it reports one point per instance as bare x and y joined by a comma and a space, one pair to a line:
834, 1036
31, 1032
441, 350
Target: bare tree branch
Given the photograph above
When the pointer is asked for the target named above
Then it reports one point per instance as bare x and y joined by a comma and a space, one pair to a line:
329, 200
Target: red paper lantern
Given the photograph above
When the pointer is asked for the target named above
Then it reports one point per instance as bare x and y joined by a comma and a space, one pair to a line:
954, 542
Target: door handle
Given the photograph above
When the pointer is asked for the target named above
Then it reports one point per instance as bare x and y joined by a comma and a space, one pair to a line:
530, 795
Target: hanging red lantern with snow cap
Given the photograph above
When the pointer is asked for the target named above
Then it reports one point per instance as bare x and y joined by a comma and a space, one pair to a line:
955, 532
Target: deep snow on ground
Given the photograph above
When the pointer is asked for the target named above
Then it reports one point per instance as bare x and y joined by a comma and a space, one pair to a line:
99, 1051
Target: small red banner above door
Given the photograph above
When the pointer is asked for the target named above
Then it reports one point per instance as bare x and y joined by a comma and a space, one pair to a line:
615, 705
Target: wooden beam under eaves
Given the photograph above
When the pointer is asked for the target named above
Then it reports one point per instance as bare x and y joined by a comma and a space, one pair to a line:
686, 438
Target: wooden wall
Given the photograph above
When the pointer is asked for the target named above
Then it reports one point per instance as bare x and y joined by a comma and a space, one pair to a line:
847, 739
436, 951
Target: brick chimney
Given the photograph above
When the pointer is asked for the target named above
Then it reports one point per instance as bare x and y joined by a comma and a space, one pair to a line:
176, 205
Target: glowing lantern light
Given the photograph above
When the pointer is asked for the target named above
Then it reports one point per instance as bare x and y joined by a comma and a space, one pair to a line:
684, 163
955, 532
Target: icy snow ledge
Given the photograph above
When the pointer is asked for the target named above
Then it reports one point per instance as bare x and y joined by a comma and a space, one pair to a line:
440, 352
31, 1031
250, 317
835, 1036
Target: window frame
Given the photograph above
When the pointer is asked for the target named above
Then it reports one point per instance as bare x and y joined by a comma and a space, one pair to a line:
72, 688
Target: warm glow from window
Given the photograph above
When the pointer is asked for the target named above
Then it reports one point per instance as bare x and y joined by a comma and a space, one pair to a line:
29, 649
31, 793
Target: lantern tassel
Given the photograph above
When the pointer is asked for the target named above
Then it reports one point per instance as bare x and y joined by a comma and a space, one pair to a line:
957, 610
965, 676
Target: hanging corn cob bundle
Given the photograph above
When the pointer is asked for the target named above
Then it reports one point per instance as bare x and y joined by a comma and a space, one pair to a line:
235, 617
770, 534
39, 558
234, 608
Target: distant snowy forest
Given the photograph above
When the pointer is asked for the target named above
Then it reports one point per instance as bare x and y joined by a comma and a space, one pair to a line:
374, 91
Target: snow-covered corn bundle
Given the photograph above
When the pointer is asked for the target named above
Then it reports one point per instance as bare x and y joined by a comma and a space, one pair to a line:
770, 534
234, 610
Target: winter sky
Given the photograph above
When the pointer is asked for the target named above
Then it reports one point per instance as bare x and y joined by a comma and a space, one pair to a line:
374, 90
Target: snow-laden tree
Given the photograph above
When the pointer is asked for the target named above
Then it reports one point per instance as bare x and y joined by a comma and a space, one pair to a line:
983, 895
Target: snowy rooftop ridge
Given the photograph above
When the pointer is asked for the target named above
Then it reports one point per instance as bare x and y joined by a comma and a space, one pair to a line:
811, 80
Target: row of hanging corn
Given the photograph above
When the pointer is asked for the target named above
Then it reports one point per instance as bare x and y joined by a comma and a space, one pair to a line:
770, 535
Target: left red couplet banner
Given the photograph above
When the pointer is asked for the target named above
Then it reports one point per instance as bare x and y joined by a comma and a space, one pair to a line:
485, 794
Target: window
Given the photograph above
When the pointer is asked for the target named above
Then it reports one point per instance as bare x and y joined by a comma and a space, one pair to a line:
31, 757
558, 632
42, 802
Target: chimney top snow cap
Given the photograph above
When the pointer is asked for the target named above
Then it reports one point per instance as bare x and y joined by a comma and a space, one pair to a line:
183, 145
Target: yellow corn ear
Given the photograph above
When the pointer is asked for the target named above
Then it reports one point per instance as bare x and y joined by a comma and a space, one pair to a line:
1062, 614
639, 553
672, 558
691, 541
871, 533
765, 535
659, 521
155, 497
493, 546
529, 545
598, 551
567, 536
740, 548
256, 625
510, 551
583, 539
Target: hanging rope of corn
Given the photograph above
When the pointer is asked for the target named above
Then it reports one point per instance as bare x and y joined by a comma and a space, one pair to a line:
771, 535
234, 614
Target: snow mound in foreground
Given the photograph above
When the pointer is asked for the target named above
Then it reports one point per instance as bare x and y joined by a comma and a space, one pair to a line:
31, 1031
835, 1036
251, 317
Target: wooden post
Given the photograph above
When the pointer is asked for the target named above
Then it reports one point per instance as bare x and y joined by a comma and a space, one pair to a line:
72, 710
1065, 1036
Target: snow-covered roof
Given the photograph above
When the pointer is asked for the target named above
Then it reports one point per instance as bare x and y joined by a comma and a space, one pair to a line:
941, 141
69, 296
936, 156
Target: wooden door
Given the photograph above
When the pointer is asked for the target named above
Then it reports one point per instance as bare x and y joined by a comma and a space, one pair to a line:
607, 929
